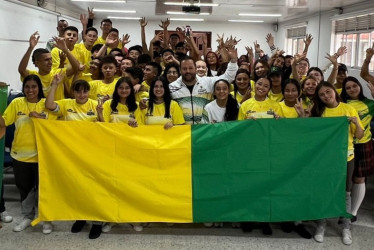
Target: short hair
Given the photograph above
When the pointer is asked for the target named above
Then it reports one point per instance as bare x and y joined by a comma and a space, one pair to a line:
144, 58
62, 20
137, 48
135, 72
114, 30
116, 50
72, 28
81, 85
38, 82
91, 29
108, 59
129, 58
156, 66
175, 35
106, 20
96, 47
36, 54
167, 50
179, 45
186, 58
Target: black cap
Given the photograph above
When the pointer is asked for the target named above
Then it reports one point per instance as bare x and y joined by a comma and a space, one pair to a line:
342, 67
275, 71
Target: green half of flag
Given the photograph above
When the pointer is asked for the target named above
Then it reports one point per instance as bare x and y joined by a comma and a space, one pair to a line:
263, 170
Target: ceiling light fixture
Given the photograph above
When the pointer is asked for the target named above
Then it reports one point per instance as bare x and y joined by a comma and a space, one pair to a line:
261, 15
187, 19
184, 13
101, 1
115, 11
245, 21
125, 18
195, 4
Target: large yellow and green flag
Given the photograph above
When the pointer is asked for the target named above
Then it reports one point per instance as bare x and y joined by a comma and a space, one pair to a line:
263, 170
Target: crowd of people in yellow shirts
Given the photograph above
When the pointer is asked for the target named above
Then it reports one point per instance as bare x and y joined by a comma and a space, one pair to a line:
172, 83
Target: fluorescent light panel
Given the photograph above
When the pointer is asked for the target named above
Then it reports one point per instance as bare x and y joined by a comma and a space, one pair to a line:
115, 11
261, 15
195, 4
184, 13
245, 21
187, 19
125, 18
101, 1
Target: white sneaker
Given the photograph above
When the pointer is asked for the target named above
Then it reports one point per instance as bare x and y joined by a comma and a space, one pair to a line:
137, 227
320, 234
208, 224
47, 227
5, 217
347, 236
22, 225
107, 227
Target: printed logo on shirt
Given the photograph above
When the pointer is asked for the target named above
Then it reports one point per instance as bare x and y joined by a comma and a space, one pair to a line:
20, 113
202, 90
114, 112
43, 115
71, 111
90, 112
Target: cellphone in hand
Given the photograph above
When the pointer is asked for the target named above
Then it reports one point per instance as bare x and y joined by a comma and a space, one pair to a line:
188, 30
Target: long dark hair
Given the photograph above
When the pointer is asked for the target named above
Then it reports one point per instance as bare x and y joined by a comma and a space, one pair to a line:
169, 66
344, 94
266, 66
316, 69
130, 100
319, 107
167, 96
38, 82
236, 89
232, 106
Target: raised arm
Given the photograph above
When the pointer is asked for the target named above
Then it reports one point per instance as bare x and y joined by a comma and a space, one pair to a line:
143, 23
164, 25
365, 66
307, 41
194, 50
22, 67
50, 100
297, 59
270, 41
61, 44
334, 72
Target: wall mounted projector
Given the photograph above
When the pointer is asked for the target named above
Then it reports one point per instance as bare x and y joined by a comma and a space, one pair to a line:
191, 9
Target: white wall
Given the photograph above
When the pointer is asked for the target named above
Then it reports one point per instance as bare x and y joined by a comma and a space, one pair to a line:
22, 21
320, 26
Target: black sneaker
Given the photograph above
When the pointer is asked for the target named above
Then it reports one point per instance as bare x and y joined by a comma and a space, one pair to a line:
287, 227
246, 227
266, 229
301, 230
77, 226
354, 218
95, 232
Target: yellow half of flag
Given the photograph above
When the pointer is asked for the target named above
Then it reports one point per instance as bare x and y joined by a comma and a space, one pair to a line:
112, 172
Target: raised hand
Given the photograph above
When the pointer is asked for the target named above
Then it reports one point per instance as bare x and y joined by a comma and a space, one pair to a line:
99, 107
341, 51
299, 107
91, 14
370, 52
333, 59
233, 53
62, 56
143, 22
168, 125
57, 79
371, 87
125, 39
34, 39
308, 39
111, 39
60, 43
165, 24
270, 39
257, 47
84, 19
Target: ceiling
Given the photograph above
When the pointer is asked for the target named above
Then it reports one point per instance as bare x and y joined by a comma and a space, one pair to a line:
227, 9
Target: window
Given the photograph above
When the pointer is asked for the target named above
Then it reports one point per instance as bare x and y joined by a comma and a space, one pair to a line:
295, 37
357, 34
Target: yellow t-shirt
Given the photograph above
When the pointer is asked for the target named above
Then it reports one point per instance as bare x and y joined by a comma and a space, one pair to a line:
72, 111
47, 80
365, 110
100, 89
238, 96
24, 143
55, 53
145, 84
275, 97
141, 95
121, 115
84, 56
344, 109
259, 109
101, 40
157, 117
288, 112
339, 90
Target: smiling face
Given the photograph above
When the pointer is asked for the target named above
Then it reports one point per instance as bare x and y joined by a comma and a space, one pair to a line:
310, 86
31, 90
242, 80
211, 59
221, 91
353, 90
91, 38
260, 70
188, 70
291, 93
262, 88
44, 63
316, 75
302, 67
158, 90
172, 74
201, 68
327, 96
124, 90
81, 96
